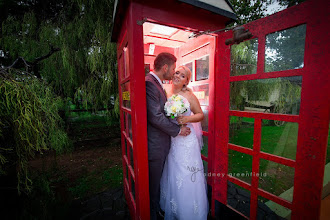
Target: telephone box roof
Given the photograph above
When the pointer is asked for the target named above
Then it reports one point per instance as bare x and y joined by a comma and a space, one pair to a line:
222, 8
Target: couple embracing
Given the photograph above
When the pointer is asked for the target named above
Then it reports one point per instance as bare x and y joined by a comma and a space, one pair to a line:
177, 185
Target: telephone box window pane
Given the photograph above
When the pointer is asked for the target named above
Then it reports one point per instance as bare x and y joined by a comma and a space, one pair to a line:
240, 165
190, 66
202, 68
206, 173
278, 95
146, 69
126, 92
205, 122
276, 179
279, 138
202, 93
327, 166
133, 189
285, 49
130, 126
131, 157
239, 199
126, 61
205, 146
243, 58
125, 146
268, 209
241, 130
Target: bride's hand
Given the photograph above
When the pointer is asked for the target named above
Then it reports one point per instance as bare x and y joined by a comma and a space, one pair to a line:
182, 120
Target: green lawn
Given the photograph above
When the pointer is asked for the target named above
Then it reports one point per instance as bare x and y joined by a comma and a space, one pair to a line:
280, 141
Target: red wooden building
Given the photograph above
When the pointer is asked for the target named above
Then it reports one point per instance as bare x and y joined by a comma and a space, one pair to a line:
282, 76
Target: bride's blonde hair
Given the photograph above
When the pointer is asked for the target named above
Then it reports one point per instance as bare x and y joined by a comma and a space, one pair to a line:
187, 72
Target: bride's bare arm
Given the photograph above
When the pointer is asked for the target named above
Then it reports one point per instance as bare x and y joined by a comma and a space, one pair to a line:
195, 108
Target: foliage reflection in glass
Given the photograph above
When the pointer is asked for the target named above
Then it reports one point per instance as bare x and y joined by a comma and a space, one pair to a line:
277, 95
244, 57
285, 49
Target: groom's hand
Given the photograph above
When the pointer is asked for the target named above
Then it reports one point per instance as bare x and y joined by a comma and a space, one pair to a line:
185, 131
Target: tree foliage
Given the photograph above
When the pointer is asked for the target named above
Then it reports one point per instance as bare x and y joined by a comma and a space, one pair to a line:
30, 122
61, 52
81, 31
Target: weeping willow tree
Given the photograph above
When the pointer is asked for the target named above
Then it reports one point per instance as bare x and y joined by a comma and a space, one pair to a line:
29, 123
84, 69
52, 53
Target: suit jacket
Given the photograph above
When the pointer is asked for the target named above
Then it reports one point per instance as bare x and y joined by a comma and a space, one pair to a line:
160, 128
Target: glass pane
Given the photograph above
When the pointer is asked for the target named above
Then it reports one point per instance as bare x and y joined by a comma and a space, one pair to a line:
277, 179
125, 146
239, 198
244, 57
202, 68
146, 69
125, 121
130, 126
121, 66
206, 173
278, 95
205, 122
279, 138
268, 209
241, 131
240, 165
126, 172
285, 49
133, 188
126, 61
131, 157
125, 89
205, 146
202, 93
326, 178
190, 66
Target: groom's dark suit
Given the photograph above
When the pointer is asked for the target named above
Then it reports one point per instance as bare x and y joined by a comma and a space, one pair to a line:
160, 130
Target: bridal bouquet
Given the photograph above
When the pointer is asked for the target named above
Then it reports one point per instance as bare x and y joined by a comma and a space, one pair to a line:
176, 105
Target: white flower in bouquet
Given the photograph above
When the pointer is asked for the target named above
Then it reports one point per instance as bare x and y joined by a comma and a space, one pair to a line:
176, 105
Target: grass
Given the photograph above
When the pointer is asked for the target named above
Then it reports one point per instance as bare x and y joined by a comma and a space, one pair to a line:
280, 141
95, 182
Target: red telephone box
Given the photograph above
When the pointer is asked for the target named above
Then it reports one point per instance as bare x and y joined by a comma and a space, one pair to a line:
257, 91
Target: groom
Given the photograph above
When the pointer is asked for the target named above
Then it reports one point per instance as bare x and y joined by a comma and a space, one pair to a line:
160, 128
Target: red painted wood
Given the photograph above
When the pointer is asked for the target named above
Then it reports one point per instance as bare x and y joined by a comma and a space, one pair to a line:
314, 113
175, 13
255, 168
276, 199
314, 110
278, 159
239, 182
138, 102
268, 116
263, 75
222, 86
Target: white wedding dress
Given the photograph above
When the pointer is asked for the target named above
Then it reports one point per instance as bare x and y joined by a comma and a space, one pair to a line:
183, 188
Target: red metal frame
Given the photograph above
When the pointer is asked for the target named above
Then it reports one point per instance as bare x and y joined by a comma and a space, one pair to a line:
313, 119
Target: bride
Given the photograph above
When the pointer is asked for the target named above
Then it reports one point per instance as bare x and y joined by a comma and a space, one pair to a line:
183, 186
